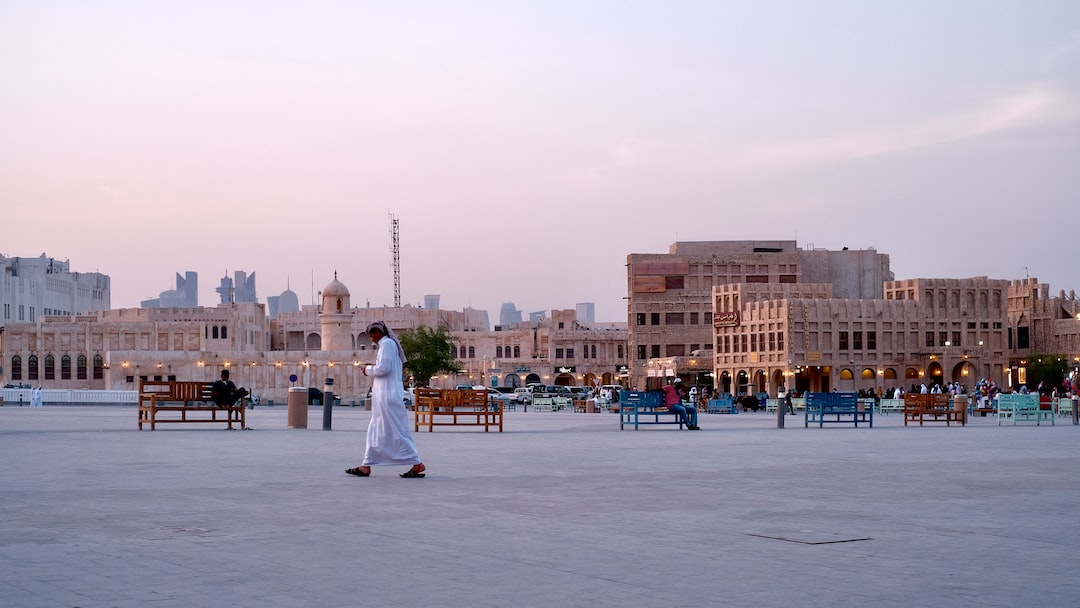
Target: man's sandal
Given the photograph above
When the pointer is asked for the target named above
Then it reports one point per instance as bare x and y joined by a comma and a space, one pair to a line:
356, 471
411, 474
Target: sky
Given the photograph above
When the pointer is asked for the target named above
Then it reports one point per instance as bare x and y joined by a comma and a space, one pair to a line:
527, 148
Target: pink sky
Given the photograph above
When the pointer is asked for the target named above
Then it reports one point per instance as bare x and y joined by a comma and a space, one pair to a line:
527, 149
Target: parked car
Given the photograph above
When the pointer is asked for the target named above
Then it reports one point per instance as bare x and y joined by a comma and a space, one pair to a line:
496, 396
560, 390
523, 394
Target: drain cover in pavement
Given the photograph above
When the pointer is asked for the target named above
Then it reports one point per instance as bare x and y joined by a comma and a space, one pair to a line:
810, 537
184, 530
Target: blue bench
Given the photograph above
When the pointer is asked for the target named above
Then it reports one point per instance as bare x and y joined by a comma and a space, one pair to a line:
836, 408
645, 407
721, 405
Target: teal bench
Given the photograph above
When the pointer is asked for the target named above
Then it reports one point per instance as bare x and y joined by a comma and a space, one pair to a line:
836, 408
1022, 408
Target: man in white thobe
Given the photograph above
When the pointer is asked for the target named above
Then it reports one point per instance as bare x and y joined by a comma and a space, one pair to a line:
389, 441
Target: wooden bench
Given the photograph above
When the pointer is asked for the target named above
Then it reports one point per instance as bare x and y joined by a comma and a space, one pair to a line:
982, 405
933, 408
191, 400
645, 407
450, 407
836, 408
1018, 407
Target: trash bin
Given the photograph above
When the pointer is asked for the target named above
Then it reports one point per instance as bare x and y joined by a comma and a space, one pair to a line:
298, 406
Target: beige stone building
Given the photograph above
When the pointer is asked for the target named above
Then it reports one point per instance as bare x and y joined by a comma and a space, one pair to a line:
670, 296
932, 331
114, 349
923, 330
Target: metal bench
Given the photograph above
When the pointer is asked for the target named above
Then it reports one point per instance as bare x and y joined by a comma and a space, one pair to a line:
645, 407
1018, 407
836, 408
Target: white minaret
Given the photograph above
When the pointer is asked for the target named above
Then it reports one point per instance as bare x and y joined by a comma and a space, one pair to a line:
336, 316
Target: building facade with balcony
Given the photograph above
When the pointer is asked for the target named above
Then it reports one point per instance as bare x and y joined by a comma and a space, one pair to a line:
670, 315
932, 331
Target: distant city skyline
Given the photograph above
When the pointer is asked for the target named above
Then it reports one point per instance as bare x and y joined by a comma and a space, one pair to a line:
528, 149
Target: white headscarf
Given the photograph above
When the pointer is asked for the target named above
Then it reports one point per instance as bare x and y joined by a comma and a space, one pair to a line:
389, 333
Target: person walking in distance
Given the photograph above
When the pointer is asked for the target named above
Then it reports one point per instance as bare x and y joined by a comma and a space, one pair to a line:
389, 441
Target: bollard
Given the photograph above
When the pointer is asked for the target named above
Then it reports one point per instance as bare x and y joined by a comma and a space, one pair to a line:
781, 411
1076, 412
328, 404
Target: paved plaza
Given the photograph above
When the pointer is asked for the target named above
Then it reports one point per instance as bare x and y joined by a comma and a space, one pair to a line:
561, 509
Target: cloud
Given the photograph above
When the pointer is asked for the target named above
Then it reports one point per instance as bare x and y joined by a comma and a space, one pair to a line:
1036, 106
629, 153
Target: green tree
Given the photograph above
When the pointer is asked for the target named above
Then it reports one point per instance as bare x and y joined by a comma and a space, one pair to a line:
429, 352
1050, 369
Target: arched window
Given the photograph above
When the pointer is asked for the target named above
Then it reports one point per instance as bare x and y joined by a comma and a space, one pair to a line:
868, 374
517, 352
224, 332
498, 352
845, 374
593, 350
65, 367
339, 304
32, 368
80, 367
16, 368
461, 353
50, 367
215, 334
99, 367
472, 352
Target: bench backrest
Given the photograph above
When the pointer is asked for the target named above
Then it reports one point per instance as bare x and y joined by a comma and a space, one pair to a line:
832, 401
642, 399
1018, 400
426, 398
175, 390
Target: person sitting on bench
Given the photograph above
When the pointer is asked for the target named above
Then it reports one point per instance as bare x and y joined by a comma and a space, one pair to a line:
224, 392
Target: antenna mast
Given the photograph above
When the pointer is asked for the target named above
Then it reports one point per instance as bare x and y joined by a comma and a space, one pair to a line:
395, 252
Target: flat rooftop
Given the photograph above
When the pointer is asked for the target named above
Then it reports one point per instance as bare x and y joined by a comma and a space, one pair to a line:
561, 509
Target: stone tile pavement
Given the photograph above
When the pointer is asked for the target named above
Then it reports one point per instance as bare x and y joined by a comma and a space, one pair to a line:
562, 509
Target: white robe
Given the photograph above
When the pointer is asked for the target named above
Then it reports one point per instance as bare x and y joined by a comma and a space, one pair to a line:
389, 441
